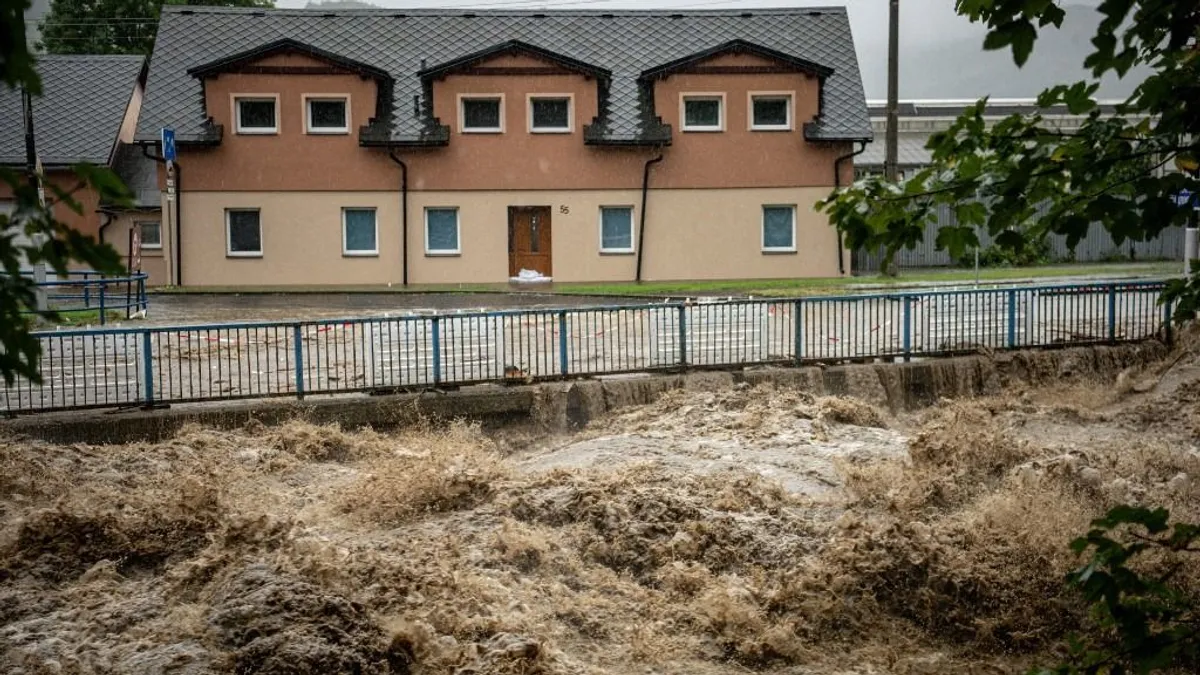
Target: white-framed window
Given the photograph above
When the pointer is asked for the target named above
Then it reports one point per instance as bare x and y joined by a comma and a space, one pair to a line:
243, 233
779, 228
550, 114
441, 230
702, 112
481, 114
327, 114
150, 232
771, 111
360, 232
616, 229
256, 114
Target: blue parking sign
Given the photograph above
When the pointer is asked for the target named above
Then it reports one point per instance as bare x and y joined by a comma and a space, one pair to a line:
168, 144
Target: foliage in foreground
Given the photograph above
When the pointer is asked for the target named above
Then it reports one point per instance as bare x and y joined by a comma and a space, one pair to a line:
1147, 623
1023, 178
30, 234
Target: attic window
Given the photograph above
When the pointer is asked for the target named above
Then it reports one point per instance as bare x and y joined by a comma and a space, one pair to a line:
703, 112
481, 114
550, 114
327, 114
257, 114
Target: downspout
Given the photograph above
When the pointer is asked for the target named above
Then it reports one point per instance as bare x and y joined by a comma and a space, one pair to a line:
403, 214
642, 227
177, 244
837, 183
108, 218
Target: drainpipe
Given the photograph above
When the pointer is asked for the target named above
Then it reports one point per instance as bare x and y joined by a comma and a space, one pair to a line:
108, 218
837, 183
177, 242
642, 228
403, 213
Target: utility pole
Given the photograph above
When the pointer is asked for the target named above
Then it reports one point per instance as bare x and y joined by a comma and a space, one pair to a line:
893, 104
33, 168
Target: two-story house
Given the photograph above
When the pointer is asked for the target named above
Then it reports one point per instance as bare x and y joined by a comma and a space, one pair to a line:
419, 146
87, 114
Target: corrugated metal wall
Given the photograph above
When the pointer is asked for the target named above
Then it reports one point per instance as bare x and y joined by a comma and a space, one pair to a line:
1097, 246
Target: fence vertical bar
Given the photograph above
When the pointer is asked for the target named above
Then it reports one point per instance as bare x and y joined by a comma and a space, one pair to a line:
1012, 318
798, 352
1167, 321
298, 350
907, 320
562, 343
147, 370
683, 359
102, 317
1112, 313
436, 337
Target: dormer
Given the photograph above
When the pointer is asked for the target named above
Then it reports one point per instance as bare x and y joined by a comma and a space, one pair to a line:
481, 108
253, 78
737, 58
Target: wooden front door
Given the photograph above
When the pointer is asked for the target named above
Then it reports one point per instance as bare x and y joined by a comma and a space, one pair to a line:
529, 240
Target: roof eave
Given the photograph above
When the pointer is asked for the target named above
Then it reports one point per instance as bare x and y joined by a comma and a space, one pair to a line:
225, 63
443, 69
736, 47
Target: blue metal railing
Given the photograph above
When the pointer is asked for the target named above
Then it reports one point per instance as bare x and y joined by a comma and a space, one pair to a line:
176, 364
85, 291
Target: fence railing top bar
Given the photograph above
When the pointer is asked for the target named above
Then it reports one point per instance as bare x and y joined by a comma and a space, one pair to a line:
1096, 287
94, 281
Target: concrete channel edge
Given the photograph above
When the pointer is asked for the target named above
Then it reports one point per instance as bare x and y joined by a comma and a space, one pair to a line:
570, 405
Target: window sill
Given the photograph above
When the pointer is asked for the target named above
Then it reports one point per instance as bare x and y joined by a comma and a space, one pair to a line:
360, 254
779, 251
481, 131
328, 132
703, 130
617, 253
551, 131
256, 132
443, 254
770, 128
247, 256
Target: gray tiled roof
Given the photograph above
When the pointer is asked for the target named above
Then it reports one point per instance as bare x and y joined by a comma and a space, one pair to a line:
140, 175
910, 152
398, 40
78, 116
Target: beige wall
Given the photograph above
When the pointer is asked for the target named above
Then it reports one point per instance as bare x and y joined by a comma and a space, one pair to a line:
302, 239
691, 234
154, 262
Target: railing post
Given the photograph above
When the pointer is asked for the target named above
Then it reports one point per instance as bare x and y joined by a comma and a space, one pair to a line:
102, 317
683, 335
798, 319
437, 350
907, 335
1167, 326
1112, 313
1012, 318
87, 294
147, 370
142, 294
562, 343
298, 351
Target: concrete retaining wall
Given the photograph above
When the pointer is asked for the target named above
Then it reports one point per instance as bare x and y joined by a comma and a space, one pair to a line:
553, 406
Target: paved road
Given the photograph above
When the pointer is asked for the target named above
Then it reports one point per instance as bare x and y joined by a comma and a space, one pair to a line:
402, 351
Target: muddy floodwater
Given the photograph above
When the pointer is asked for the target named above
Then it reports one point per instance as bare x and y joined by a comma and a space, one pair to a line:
711, 532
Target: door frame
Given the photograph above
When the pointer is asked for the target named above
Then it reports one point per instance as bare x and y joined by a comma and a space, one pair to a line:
549, 230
